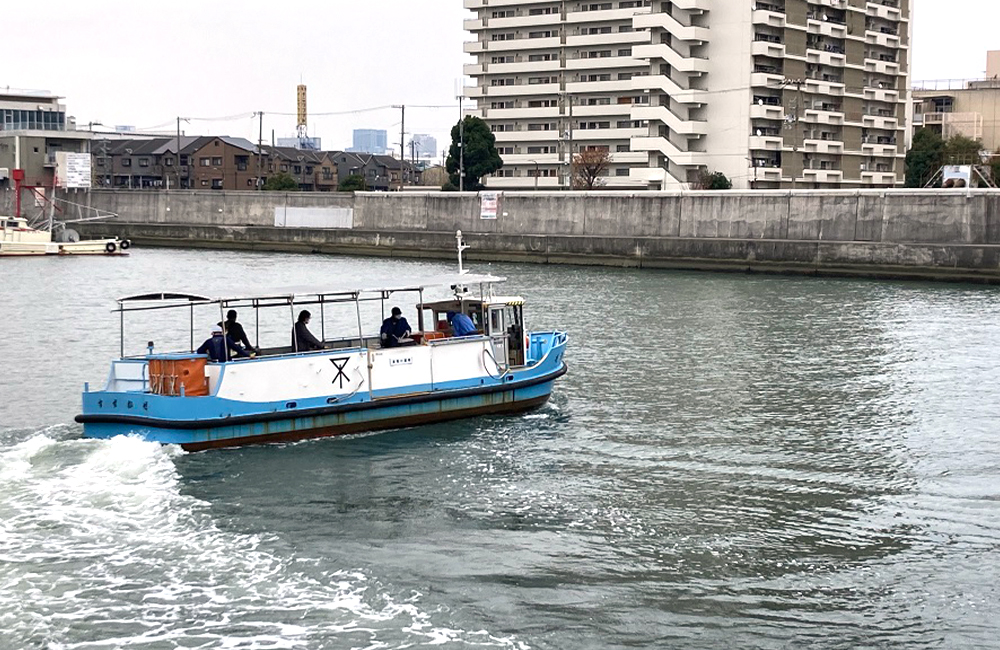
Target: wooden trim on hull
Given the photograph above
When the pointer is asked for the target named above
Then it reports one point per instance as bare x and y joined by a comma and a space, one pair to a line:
393, 423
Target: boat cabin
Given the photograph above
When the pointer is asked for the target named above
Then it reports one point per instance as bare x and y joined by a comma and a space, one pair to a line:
501, 318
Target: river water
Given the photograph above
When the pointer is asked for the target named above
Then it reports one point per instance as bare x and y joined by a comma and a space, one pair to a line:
741, 461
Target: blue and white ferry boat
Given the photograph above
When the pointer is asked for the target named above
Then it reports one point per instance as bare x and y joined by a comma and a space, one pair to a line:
351, 385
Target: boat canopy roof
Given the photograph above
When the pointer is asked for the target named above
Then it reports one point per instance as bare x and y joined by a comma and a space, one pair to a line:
312, 293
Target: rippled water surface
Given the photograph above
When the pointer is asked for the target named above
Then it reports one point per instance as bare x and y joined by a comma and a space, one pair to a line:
741, 461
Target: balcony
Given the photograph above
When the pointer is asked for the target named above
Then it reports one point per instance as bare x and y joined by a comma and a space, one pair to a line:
823, 175
826, 28
765, 173
769, 142
767, 48
668, 23
878, 178
769, 17
882, 39
812, 145
883, 11
767, 111
663, 52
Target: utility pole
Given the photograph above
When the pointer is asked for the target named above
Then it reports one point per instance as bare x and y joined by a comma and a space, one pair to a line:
793, 124
461, 147
178, 155
260, 143
402, 143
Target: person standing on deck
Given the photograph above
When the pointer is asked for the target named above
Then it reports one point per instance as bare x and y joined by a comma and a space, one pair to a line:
302, 338
395, 330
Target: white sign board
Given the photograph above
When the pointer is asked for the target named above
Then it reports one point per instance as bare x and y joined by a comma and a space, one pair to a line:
957, 175
285, 217
489, 205
73, 169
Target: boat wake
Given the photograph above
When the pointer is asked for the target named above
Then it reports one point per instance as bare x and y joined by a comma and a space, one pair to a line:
102, 549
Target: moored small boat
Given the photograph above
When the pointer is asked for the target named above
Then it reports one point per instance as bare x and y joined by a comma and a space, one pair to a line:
352, 384
17, 238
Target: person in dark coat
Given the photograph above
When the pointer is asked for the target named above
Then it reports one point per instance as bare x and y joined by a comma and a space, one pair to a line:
235, 330
395, 330
215, 347
302, 338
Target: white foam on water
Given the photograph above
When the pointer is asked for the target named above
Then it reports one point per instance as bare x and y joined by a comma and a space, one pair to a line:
99, 548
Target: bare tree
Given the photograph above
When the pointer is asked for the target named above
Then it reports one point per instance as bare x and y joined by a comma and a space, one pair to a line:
589, 166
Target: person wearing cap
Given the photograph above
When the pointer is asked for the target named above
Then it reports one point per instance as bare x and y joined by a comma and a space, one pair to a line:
461, 325
395, 330
235, 331
216, 347
302, 339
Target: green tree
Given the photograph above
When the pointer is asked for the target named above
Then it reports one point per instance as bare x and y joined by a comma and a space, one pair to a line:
713, 181
925, 157
281, 182
481, 156
353, 183
960, 150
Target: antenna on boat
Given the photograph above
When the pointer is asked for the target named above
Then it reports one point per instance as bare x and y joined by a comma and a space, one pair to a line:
461, 247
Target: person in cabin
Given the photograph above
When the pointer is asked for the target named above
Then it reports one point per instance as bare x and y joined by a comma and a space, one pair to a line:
236, 332
302, 338
395, 330
461, 325
216, 347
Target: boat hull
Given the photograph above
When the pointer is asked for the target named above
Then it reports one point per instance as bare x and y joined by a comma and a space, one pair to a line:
388, 413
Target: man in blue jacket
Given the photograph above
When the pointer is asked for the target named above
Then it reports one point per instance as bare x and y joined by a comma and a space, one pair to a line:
215, 347
461, 325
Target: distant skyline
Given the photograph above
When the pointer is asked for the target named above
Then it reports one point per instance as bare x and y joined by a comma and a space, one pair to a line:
120, 63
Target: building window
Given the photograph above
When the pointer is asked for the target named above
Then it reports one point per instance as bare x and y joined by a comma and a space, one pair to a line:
621, 171
298, 169
169, 162
309, 170
126, 162
217, 161
216, 183
204, 162
250, 182
144, 162
284, 168
204, 182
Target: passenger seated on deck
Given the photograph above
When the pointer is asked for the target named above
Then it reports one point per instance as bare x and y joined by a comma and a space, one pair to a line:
236, 332
395, 330
302, 338
461, 325
216, 346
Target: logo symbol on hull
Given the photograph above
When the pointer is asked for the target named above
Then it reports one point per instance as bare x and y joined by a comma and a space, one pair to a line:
341, 377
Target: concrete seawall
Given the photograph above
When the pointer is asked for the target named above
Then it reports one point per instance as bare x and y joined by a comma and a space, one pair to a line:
898, 233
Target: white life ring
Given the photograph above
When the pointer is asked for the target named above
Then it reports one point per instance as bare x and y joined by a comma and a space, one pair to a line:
125, 244
110, 247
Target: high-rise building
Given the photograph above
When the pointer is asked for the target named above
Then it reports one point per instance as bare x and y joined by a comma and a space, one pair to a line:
370, 141
774, 94
424, 146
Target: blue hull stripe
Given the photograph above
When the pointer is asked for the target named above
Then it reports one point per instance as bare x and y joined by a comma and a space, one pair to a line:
272, 416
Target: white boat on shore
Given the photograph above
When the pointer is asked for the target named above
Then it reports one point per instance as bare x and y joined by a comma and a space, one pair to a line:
18, 238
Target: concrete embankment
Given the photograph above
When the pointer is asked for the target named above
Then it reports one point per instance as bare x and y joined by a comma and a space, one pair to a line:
905, 234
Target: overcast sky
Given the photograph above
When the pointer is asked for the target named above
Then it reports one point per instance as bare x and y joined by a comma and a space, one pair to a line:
123, 62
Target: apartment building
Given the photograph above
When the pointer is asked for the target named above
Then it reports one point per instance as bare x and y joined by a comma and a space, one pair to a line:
775, 94
966, 107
